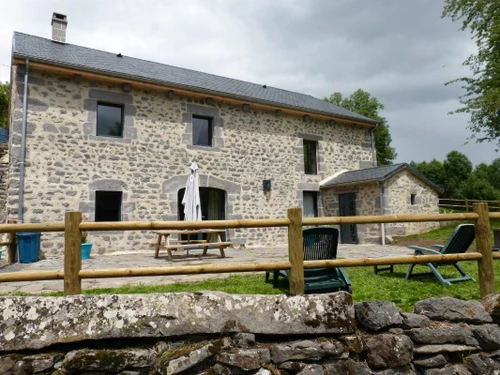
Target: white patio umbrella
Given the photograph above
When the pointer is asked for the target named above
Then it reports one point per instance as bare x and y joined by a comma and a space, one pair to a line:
191, 200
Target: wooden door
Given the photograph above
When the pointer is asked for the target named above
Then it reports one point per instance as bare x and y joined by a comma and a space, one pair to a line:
347, 207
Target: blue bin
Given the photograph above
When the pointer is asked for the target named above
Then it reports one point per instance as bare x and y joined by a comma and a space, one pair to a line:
29, 247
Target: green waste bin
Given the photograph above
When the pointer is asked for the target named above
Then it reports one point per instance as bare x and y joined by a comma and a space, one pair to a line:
29, 247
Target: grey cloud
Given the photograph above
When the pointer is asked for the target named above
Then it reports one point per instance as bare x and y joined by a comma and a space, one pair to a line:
400, 51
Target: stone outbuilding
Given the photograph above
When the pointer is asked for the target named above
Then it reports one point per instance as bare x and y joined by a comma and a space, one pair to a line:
387, 190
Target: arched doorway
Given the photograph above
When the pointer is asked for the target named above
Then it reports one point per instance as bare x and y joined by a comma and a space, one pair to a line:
213, 204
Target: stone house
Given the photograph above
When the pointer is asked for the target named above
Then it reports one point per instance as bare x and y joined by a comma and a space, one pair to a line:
387, 190
114, 136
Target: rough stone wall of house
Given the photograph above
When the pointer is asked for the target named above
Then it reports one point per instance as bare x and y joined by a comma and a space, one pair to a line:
367, 203
399, 189
67, 163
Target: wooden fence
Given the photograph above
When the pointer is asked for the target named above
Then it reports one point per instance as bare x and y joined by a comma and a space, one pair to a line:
73, 226
466, 204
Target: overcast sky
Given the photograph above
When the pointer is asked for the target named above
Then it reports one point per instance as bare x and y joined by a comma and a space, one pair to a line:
400, 51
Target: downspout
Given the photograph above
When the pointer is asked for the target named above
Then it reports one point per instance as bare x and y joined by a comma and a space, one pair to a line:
374, 152
382, 209
381, 188
23, 145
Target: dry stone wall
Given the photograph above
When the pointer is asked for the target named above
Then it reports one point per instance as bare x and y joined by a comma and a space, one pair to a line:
67, 163
215, 333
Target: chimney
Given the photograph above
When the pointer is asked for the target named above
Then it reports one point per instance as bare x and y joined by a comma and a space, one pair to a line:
59, 24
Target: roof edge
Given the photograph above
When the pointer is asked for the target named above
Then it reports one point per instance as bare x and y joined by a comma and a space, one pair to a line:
365, 121
353, 121
400, 168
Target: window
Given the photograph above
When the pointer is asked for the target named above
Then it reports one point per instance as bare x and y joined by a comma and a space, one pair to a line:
109, 120
108, 206
310, 204
202, 131
310, 165
413, 198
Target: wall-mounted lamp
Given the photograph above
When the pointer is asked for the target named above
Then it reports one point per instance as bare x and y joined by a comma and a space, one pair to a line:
266, 185
77, 78
333, 122
278, 113
209, 101
246, 107
307, 118
170, 94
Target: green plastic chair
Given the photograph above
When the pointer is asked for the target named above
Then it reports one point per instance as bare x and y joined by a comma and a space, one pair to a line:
320, 243
458, 243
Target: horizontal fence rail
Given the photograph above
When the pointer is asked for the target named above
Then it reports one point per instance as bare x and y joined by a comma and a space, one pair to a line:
244, 267
73, 227
466, 204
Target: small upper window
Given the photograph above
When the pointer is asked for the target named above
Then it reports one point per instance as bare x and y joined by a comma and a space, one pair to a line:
109, 120
108, 206
310, 164
413, 198
202, 131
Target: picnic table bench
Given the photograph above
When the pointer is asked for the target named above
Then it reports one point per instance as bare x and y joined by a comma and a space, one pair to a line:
213, 240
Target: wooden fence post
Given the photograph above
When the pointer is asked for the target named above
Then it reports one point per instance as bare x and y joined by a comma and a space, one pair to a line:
12, 251
72, 253
296, 250
483, 244
466, 205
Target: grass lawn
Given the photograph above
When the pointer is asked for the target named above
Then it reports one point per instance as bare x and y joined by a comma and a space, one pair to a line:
366, 285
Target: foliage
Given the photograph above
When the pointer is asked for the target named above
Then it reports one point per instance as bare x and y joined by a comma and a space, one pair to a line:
460, 180
84, 234
364, 104
83, 238
457, 168
433, 170
4, 104
477, 188
482, 98
494, 173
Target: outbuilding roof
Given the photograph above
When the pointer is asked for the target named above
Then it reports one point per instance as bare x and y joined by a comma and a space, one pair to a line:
375, 174
71, 56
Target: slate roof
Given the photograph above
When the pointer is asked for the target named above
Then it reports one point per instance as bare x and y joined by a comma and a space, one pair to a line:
376, 174
72, 56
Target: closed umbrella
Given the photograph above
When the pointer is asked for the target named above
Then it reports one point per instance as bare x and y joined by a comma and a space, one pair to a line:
191, 200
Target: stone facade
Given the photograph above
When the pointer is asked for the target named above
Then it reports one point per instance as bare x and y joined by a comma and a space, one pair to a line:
397, 198
66, 163
399, 191
217, 333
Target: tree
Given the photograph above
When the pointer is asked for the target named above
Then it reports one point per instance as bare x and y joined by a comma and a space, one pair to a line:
457, 169
364, 104
494, 173
482, 98
433, 170
4, 104
477, 188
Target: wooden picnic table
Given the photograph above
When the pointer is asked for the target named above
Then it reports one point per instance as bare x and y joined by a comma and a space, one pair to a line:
213, 240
